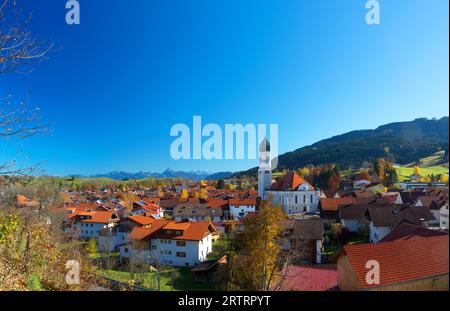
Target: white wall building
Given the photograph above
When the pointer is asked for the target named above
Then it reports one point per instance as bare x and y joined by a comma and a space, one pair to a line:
444, 216
240, 208
170, 243
294, 194
291, 191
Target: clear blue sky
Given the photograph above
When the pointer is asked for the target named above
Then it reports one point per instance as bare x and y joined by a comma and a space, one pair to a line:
132, 69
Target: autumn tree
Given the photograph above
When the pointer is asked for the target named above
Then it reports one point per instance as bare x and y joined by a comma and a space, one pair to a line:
220, 184
184, 194
258, 264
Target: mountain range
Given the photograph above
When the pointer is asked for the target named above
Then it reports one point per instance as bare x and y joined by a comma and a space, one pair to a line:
401, 142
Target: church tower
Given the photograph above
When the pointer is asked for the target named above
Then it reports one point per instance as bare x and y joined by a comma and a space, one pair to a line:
265, 169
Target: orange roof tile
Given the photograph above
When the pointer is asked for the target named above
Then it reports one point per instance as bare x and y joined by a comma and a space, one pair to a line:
142, 220
290, 181
237, 202
332, 204
401, 260
195, 231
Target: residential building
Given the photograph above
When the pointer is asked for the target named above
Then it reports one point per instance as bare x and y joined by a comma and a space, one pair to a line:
444, 216
303, 239
419, 264
170, 243
240, 208
294, 194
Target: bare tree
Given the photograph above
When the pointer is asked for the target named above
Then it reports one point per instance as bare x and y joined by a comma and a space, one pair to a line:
19, 52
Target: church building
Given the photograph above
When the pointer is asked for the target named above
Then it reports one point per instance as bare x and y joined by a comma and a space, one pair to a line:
290, 191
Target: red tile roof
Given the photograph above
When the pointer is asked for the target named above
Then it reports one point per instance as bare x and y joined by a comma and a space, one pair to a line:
401, 260
192, 231
142, 220
237, 202
290, 181
332, 204
102, 217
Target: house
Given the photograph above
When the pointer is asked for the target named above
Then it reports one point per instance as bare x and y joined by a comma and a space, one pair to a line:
168, 204
405, 231
434, 204
353, 217
444, 216
143, 207
419, 264
302, 238
240, 208
329, 207
384, 218
194, 210
170, 243
294, 194
23, 201
88, 224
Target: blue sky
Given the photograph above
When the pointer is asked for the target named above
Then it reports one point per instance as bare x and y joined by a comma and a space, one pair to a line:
120, 80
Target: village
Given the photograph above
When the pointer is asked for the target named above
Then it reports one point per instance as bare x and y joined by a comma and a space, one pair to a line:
185, 230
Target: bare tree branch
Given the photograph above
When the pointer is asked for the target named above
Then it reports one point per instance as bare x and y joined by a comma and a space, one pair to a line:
19, 50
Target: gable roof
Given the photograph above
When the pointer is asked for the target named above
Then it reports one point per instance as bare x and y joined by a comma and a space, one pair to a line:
401, 260
388, 216
405, 231
290, 181
142, 220
239, 202
332, 204
102, 217
352, 211
192, 231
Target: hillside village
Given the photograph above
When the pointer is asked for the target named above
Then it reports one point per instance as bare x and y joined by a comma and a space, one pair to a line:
324, 240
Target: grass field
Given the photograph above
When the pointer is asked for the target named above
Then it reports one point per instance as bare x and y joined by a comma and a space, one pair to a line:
433, 164
174, 279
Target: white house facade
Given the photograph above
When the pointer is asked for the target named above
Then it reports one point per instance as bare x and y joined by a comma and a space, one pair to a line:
240, 208
170, 243
444, 216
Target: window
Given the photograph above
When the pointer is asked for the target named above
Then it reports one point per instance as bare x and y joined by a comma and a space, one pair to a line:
296, 200
154, 247
125, 249
181, 243
311, 198
181, 254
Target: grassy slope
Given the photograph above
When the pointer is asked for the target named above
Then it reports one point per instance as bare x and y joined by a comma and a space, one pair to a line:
433, 164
